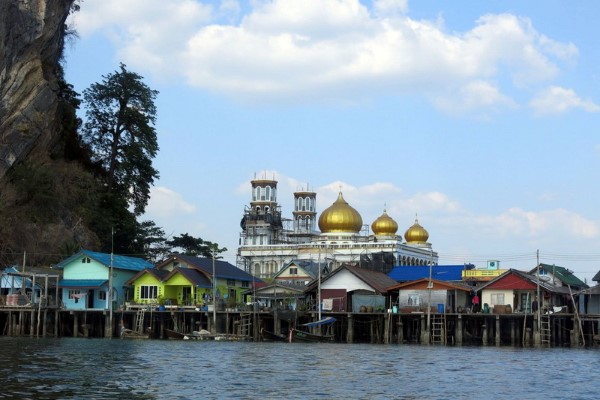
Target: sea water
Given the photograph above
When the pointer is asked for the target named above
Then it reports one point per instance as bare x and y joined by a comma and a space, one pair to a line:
70, 368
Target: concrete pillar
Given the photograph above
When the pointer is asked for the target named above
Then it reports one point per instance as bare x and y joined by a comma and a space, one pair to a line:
350, 333
75, 324
497, 330
56, 314
45, 326
537, 340
400, 326
512, 332
484, 334
387, 328
32, 323
425, 336
459, 330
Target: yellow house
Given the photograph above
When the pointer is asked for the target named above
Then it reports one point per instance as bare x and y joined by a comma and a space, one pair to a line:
188, 281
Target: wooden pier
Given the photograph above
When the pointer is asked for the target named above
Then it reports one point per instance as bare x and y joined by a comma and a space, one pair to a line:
520, 330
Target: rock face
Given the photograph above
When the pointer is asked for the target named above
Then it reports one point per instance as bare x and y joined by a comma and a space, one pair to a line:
31, 43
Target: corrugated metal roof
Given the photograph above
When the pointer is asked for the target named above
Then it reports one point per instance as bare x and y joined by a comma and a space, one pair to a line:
562, 273
118, 261
82, 283
223, 269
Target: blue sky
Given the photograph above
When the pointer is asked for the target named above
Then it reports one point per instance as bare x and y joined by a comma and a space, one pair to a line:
480, 118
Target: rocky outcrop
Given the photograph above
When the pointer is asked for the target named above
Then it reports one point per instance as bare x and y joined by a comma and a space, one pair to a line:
31, 44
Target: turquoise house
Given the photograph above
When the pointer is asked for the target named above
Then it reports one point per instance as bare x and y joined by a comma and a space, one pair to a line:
86, 279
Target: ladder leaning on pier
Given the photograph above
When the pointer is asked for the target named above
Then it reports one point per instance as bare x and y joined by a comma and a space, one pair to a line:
545, 332
245, 327
438, 329
139, 320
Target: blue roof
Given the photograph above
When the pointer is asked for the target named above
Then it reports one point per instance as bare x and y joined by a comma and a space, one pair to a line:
407, 273
119, 262
82, 283
15, 281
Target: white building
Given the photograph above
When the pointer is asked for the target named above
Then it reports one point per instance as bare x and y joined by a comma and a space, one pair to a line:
267, 244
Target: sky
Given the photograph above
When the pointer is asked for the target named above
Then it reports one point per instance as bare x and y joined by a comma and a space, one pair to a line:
479, 118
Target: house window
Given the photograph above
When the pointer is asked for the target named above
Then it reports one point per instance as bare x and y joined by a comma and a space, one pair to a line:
414, 299
497, 298
101, 295
245, 284
293, 271
86, 260
230, 282
73, 292
148, 292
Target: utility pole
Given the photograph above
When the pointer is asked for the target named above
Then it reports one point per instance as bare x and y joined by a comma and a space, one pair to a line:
429, 287
110, 282
214, 292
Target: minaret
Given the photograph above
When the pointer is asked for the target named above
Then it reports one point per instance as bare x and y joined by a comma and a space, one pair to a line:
305, 215
261, 224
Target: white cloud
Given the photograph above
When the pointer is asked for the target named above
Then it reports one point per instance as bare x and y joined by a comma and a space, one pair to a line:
166, 203
558, 100
390, 7
327, 50
473, 96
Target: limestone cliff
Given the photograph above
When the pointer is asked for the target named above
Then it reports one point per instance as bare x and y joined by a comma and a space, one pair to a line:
31, 44
47, 195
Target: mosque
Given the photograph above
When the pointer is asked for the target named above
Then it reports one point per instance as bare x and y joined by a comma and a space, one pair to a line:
269, 242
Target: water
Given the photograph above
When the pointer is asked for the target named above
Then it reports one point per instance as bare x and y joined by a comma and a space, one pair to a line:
70, 368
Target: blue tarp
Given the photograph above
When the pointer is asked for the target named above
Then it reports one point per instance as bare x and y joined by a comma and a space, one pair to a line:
407, 273
324, 321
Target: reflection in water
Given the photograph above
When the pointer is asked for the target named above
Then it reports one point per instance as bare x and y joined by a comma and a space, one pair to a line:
113, 369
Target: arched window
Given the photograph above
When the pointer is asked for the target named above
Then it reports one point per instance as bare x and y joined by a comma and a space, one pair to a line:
268, 193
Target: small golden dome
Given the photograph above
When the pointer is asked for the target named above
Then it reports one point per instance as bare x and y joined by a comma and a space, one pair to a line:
384, 225
416, 233
340, 217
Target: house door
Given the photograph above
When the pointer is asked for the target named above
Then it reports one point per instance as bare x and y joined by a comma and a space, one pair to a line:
186, 294
90, 299
526, 302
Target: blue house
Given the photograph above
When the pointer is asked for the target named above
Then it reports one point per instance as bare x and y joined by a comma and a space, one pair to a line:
86, 277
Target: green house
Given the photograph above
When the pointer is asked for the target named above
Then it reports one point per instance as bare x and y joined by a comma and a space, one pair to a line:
188, 281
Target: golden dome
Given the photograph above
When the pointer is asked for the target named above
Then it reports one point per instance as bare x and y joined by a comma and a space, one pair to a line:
384, 225
416, 233
340, 217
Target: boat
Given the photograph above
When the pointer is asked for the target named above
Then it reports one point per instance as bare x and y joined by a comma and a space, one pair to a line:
131, 334
171, 334
271, 337
297, 335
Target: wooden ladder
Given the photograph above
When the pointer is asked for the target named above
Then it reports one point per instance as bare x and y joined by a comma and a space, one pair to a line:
139, 320
438, 329
545, 332
245, 327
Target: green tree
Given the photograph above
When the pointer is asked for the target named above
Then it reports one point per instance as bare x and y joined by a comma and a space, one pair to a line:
151, 239
119, 131
192, 246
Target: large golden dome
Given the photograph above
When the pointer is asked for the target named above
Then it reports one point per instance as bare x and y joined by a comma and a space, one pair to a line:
384, 225
416, 233
340, 217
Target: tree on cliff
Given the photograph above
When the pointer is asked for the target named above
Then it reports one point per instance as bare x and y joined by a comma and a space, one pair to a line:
198, 247
119, 130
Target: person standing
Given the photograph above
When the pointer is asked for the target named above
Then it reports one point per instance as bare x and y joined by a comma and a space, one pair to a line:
475, 303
